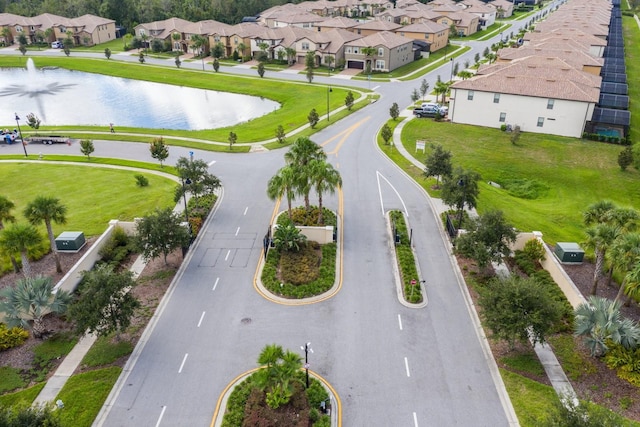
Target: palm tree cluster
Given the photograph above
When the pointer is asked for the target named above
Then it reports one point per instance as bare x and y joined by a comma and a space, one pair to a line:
278, 374
613, 236
306, 169
19, 238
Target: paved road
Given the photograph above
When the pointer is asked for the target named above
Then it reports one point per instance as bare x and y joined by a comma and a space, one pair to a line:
391, 365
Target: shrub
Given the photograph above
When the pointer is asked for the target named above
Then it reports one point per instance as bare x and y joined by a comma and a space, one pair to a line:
13, 337
625, 361
301, 216
141, 181
534, 250
302, 266
117, 248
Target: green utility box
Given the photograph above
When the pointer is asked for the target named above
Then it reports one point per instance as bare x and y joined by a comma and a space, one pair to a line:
70, 241
569, 253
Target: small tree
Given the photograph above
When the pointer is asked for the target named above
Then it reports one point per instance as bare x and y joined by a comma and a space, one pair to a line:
46, 209
313, 118
476, 58
159, 150
141, 57
105, 304
280, 134
261, 69
456, 68
386, 133
160, 233
625, 158
415, 95
216, 65
460, 189
177, 61
217, 50
33, 121
23, 49
28, 302
348, 100
310, 63
86, 147
487, 239
20, 238
424, 88
107, 53
232, 139
394, 111
438, 163
519, 309
515, 135
30, 416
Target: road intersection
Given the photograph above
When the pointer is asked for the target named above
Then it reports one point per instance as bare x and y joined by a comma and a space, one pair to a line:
390, 365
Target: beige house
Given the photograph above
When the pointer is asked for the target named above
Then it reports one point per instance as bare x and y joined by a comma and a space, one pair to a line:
85, 30
433, 33
164, 30
466, 23
373, 27
504, 8
391, 51
538, 94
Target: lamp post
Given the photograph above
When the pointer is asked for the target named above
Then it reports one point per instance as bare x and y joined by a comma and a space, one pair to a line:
24, 144
184, 198
451, 78
329, 90
307, 349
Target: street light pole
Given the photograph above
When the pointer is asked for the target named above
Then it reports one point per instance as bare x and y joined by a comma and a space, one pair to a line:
24, 144
329, 90
307, 349
451, 60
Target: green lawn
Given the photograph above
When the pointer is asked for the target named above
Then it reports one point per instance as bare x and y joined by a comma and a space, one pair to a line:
564, 175
93, 196
296, 99
84, 394
26, 396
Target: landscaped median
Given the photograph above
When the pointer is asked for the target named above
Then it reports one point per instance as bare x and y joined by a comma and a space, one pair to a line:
410, 282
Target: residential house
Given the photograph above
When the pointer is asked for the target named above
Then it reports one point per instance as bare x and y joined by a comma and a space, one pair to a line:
391, 51
92, 30
591, 44
465, 23
436, 35
337, 22
504, 8
576, 57
374, 27
485, 13
163, 31
181, 41
538, 94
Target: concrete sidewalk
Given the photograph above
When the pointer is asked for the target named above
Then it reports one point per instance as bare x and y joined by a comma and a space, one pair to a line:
75, 356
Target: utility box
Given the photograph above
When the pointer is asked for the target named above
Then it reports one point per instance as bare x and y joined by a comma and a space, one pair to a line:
70, 241
569, 253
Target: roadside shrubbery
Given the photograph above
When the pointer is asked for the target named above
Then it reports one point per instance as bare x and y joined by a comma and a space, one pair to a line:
13, 337
406, 260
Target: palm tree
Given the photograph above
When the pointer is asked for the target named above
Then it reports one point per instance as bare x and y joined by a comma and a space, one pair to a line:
282, 184
301, 153
47, 209
600, 238
600, 320
6, 206
30, 301
291, 54
623, 255
241, 47
633, 280
279, 369
598, 212
441, 88
325, 179
19, 238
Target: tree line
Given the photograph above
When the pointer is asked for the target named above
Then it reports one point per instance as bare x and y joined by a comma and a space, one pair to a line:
130, 13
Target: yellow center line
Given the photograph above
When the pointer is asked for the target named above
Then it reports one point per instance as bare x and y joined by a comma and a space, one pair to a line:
345, 134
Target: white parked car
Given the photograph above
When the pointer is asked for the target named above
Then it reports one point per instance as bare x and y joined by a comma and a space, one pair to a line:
435, 106
56, 45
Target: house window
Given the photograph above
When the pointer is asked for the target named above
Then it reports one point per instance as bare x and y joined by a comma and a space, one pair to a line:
142, 33
540, 122
402, 34
550, 104
355, 50
216, 39
235, 40
348, 49
359, 31
64, 30
503, 117
470, 95
426, 36
496, 98
18, 29
379, 64
305, 45
380, 51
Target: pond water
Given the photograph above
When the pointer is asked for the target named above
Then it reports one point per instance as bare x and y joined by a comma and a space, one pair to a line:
63, 97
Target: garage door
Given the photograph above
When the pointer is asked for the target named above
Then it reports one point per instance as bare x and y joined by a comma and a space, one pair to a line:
355, 64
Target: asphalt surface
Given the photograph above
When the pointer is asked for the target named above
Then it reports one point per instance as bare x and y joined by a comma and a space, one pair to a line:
390, 365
